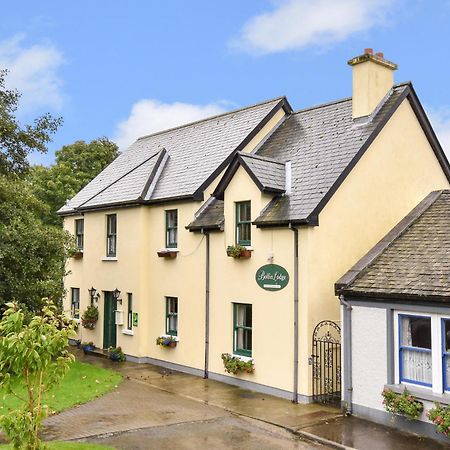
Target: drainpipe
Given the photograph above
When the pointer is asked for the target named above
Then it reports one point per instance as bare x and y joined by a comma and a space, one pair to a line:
347, 347
206, 371
295, 387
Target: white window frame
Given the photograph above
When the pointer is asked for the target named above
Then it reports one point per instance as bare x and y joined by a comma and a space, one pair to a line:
436, 350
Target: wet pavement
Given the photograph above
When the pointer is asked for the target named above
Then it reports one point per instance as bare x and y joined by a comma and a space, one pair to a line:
160, 408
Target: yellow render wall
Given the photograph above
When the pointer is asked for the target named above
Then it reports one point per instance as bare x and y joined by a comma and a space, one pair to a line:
234, 281
393, 176
124, 273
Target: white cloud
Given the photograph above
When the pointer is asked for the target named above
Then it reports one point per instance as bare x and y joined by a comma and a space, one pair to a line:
295, 24
32, 70
440, 119
148, 116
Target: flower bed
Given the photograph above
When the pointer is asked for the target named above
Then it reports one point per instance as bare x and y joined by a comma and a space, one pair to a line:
166, 341
440, 416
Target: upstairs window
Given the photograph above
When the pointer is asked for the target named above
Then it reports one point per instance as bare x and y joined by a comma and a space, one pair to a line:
243, 223
242, 336
79, 233
172, 316
111, 235
75, 303
172, 228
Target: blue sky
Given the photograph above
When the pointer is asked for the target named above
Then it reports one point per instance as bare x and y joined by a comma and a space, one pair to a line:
121, 69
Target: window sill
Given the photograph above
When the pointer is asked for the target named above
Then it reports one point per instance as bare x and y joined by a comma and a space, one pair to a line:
242, 358
420, 393
168, 253
128, 332
109, 258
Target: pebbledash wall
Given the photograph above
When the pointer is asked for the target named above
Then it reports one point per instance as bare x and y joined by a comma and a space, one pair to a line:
394, 174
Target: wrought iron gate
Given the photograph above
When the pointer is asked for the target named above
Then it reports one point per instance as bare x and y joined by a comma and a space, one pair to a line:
326, 363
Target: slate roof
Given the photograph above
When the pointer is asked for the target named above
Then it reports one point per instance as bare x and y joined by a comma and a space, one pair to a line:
195, 151
269, 174
412, 261
321, 142
210, 217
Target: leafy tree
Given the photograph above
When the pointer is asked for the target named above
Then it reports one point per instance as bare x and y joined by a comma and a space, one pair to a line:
17, 142
32, 254
34, 356
75, 166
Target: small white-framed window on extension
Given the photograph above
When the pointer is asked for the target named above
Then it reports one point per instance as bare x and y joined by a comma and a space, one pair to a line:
422, 349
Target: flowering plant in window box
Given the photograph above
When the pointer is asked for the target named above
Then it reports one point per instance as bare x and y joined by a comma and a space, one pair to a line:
440, 416
116, 354
238, 252
77, 254
166, 341
402, 404
167, 253
235, 365
90, 317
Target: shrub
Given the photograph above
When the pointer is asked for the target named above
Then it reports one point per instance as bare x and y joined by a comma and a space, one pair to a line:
235, 365
403, 404
90, 317
440, 416
36, 353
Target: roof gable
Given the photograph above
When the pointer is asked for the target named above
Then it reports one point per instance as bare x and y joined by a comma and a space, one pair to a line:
268, 174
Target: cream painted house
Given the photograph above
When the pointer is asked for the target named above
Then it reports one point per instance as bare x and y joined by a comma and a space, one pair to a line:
306, 194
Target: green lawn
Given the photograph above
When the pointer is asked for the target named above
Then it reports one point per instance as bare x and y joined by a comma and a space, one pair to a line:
68, 446
82, 383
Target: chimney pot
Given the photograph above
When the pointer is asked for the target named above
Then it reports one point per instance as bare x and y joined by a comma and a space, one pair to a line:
380, 55
368, 51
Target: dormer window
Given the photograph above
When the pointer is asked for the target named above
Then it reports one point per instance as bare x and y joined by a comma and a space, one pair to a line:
172, 228
243, 223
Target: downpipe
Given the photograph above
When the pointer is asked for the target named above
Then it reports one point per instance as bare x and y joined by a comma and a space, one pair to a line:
207, 295
296, 308
347, 349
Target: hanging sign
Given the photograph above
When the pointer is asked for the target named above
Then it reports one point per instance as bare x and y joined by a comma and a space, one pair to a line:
272, 277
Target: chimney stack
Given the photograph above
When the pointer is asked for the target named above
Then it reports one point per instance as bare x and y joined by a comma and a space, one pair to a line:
373, 77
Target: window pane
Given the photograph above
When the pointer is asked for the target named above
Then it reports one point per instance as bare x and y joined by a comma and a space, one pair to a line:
416, 332
416, 366
130, 312
244, 211
244, 232
447, 335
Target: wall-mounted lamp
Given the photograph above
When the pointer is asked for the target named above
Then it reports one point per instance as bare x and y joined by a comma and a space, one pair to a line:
92, 292
116, 295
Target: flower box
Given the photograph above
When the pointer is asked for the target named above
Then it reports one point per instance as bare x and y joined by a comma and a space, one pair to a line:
235, 365
166, 341
77, 255
238, 252
167, 254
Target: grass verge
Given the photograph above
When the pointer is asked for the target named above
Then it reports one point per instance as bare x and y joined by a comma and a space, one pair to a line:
83, 383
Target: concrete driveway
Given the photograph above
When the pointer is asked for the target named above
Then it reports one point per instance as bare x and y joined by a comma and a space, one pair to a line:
158, 408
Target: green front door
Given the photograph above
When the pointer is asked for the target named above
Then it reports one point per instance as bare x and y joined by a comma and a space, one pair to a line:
109, 321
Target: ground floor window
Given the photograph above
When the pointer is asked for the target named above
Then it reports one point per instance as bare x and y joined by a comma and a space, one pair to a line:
423, 345
75, 303
130, 311
172, 316
242, 326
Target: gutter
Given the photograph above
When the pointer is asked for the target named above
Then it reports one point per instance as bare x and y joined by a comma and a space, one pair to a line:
207, 291
295, 386
347, 393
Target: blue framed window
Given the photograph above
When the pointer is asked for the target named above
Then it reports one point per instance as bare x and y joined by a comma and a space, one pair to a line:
445, 327
415, 356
